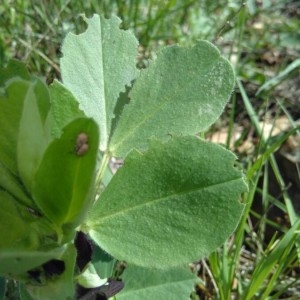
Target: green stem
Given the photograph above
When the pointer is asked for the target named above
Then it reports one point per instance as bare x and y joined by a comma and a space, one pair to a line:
104, 162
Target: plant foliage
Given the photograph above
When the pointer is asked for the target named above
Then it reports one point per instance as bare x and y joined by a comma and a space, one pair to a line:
175, 200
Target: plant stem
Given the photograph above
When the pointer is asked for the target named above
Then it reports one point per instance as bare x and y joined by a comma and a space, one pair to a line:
103, 165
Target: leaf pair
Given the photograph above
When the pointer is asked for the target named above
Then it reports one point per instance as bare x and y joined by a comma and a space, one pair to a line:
175, 199
182, 92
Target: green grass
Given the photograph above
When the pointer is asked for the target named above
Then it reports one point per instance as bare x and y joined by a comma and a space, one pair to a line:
262, 41
32, 30
262, 277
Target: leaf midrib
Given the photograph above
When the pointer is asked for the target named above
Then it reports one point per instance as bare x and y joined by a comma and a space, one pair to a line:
101, 219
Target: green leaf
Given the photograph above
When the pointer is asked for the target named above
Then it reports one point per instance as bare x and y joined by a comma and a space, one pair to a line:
12, 228
15, 262
182, 92
59, 287
149, 284
97, 65
14, 69
24, 295
11, 107
64, 108
173, 204
16, 84
64, 179
24, 105
22, 232
12, 185
34, 132
104, 263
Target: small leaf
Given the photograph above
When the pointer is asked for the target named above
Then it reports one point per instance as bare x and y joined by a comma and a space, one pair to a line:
22, 228
149, 284
34, 132
12, 227
14, 69
15, 84
182, 92
16, 262
97, 65
11, 108
64, 179
104, 263
24, 295
12, 185
59, 286
171, 205
64, 108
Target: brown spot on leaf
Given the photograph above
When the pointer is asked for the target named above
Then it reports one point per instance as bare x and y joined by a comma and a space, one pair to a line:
81, 146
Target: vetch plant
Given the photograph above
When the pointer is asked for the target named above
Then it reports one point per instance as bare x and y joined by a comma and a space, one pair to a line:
68, 225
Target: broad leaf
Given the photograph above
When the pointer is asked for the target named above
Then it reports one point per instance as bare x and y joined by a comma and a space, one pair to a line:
171, 205
182, 92
64, 108
149, 284
64, 179
96, 65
